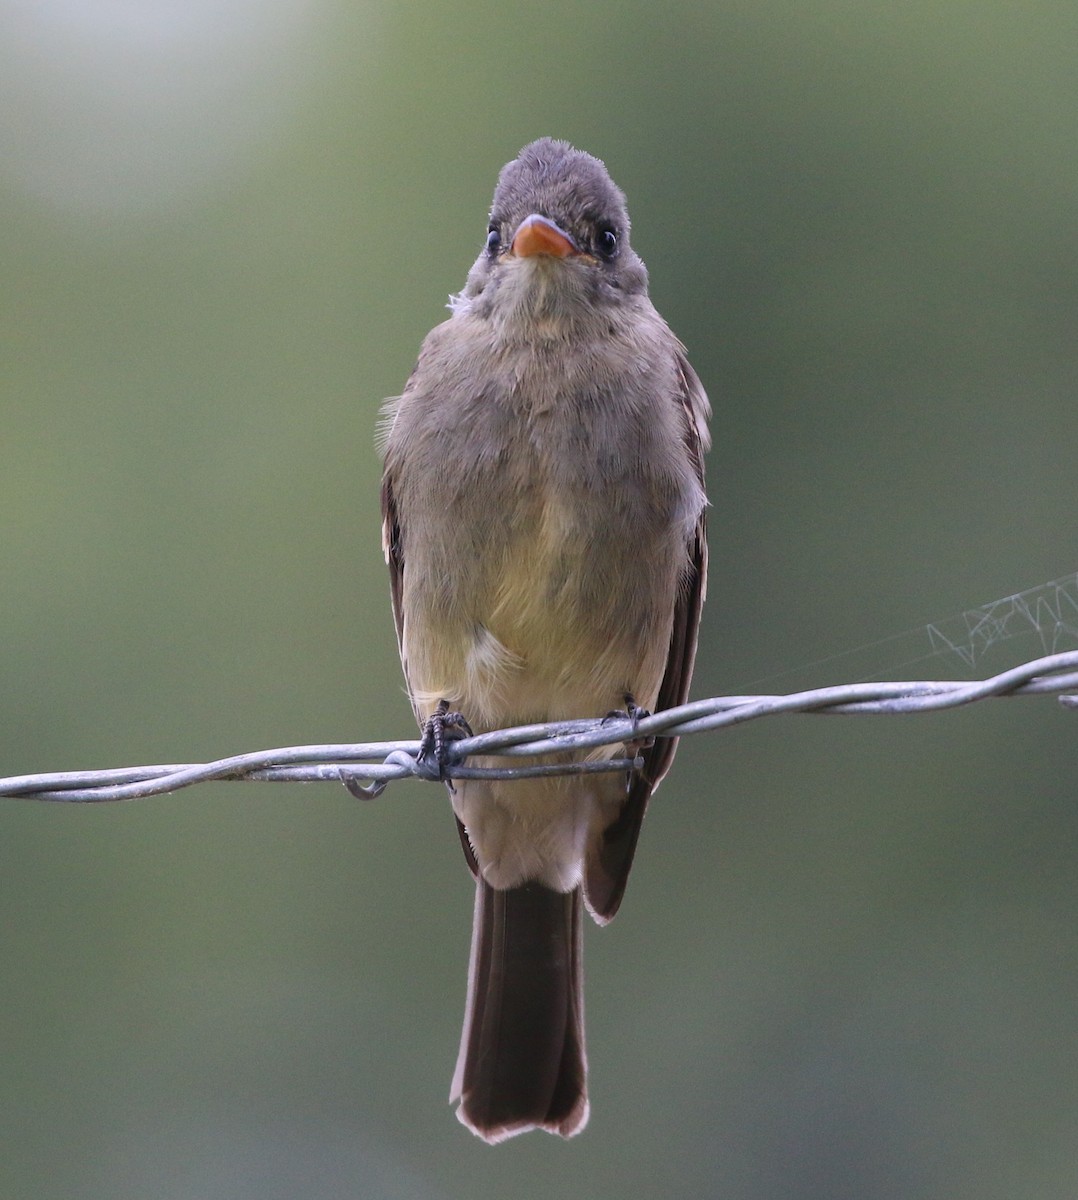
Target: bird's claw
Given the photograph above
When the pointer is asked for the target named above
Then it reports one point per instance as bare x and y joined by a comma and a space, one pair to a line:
634, 714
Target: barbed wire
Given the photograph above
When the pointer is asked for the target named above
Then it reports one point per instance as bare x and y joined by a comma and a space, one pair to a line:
366, 768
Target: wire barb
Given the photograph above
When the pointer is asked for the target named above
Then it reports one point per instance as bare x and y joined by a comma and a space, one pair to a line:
367, 768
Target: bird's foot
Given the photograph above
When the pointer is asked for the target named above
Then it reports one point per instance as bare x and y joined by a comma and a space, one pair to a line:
440, 728
633, 713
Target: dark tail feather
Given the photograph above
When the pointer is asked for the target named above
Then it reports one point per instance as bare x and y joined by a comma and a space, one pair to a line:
522, 1063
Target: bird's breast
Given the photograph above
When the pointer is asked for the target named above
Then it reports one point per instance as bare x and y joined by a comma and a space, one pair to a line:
544, 515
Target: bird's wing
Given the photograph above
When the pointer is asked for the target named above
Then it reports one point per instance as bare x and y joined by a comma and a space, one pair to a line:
393, 548
608, 865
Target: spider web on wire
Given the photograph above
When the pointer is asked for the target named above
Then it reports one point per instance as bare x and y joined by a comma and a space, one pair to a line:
1041, 620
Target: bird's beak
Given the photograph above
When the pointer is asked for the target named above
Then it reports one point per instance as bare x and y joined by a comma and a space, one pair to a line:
539, 235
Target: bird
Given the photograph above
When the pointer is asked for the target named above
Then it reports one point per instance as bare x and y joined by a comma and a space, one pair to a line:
543, 508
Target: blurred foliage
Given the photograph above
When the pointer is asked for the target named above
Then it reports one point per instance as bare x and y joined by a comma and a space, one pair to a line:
846, 966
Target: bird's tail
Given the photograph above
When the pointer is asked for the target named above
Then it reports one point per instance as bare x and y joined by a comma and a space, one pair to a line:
522, 1063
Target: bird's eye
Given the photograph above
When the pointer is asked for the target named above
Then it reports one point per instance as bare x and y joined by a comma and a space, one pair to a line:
606, 243
494, 240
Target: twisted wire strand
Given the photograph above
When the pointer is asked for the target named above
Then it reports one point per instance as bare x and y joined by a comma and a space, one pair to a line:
366, 768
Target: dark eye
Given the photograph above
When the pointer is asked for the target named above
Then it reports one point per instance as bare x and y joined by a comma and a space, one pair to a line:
606, 243
494, 240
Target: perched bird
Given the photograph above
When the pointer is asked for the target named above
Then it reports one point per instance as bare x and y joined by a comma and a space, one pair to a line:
543, 504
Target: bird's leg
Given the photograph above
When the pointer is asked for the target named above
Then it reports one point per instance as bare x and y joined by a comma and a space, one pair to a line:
440, 727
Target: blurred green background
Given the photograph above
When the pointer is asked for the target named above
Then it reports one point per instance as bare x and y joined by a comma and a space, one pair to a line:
847, 965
